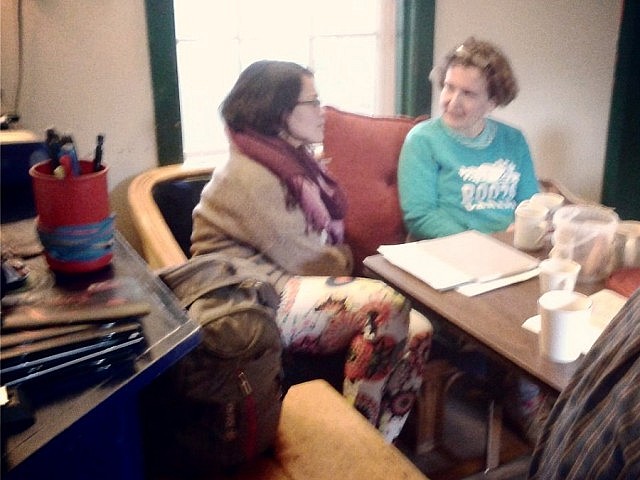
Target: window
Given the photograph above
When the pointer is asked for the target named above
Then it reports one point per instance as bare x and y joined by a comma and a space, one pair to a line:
349, 44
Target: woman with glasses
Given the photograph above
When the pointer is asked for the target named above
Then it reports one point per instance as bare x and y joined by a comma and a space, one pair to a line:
274, 209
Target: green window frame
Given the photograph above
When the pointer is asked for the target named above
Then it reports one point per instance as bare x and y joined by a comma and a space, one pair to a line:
621, 185
414, 60
164, 80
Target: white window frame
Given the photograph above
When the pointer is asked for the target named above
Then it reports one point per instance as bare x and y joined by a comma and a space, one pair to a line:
384, 83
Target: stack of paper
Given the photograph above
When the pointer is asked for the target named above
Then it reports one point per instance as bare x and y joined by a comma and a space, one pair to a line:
66, 334
463, 258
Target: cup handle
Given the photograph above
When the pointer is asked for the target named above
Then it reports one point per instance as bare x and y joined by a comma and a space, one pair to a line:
628, 252
544, 229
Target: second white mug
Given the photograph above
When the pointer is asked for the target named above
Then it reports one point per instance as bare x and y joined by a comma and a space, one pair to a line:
564, 316
531, 226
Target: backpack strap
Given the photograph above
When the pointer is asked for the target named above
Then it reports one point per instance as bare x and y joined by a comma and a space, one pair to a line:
204, 274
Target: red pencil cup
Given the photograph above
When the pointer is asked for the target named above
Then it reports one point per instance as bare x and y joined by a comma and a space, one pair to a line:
74, 221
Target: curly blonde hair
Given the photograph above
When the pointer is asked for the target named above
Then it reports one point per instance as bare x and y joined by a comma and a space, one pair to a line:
502, 85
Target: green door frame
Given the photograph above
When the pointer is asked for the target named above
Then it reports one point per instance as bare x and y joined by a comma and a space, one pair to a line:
621, 185
415, 28
415, 23
164, 79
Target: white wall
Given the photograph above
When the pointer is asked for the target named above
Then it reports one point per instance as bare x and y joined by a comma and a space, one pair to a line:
563, 53
86, 70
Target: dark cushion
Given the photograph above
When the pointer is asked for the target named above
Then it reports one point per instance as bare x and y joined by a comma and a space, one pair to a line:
176, 201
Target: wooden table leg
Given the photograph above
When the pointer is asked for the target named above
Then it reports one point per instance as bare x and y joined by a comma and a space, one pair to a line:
494, 433
437, 378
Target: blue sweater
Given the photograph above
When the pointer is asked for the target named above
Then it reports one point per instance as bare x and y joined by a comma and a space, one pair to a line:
449, 183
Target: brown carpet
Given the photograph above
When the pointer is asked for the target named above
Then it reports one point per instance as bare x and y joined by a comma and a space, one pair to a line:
461, 455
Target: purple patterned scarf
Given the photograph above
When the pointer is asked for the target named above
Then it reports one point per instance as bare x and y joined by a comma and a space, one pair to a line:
320, 197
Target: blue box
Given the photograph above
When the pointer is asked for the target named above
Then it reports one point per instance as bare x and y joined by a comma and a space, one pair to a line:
19, 150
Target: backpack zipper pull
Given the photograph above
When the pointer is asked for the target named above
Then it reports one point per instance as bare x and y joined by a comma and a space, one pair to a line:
245, 386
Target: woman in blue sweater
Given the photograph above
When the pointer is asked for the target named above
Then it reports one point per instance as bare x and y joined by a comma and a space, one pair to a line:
464, 171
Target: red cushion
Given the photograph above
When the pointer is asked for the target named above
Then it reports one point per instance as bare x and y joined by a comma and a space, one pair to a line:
624, 281
363, 156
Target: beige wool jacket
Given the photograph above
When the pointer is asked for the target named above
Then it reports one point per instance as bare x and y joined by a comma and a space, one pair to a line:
242, 214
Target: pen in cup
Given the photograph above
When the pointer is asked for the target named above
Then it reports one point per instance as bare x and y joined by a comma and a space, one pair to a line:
97, 159
53, 148
63, 154
68, 149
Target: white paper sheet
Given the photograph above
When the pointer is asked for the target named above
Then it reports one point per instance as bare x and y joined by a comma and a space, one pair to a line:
476, 288
448, 262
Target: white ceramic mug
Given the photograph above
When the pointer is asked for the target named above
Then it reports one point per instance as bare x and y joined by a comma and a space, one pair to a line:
531, 226
558, 274
563, 317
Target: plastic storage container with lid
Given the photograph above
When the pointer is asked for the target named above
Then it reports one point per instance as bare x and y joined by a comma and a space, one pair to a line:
585, 234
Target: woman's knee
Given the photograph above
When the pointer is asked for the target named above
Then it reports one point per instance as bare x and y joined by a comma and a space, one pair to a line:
419, 324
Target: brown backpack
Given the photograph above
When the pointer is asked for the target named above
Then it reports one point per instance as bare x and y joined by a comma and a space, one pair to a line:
226, 395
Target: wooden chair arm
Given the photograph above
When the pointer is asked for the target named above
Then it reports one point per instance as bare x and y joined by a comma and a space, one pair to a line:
159, 246
548, 185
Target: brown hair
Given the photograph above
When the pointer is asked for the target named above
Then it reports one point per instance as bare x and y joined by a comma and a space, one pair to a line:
502, 86
264, 93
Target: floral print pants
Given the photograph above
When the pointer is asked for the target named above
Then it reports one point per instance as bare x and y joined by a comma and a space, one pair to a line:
388, 342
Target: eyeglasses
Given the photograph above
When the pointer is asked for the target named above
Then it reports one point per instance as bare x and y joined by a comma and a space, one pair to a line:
314, 103
471, 58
